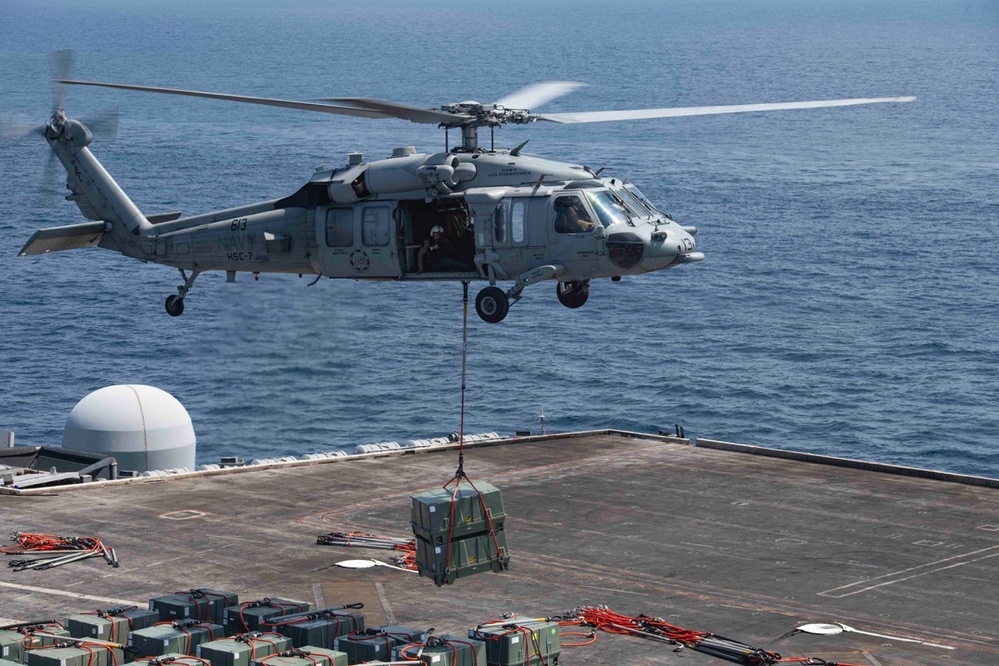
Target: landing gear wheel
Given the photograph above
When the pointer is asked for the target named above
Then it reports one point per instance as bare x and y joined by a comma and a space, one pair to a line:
573, 294
174, 305
492, 304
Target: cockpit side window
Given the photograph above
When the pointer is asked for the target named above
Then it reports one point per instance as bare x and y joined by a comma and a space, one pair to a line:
571, 216
610, 209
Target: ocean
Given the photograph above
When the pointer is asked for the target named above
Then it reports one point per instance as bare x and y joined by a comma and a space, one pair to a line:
848, 304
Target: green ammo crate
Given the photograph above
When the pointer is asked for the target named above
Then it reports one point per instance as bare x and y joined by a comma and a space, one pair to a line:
91, 625
135, 617
242, 649
10, 646
377, 643
446, 651
308, 655
430, 511
96, 655
253, 615
174, 637
322, 631
198, 603
7, 662
470, 555
512, 643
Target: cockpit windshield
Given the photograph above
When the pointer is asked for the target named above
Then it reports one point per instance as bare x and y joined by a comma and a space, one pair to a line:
641, 197
609, 207
633, 202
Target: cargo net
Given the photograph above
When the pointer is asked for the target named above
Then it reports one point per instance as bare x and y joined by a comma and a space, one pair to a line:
52, 551
406, 557
602, 618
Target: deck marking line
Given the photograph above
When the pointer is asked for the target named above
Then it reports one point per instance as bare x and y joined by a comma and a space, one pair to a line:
900, 580
74, 595
383, 599
902, 571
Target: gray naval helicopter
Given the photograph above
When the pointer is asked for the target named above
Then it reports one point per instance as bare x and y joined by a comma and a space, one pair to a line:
465, 213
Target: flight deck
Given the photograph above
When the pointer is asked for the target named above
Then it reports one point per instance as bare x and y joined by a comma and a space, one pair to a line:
710, 537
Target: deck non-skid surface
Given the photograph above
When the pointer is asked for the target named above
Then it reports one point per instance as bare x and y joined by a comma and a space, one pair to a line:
739, 545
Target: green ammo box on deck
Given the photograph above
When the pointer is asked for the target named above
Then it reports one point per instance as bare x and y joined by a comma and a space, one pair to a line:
7, 662
75, 656
243, 649
469, 555
430, 512
176, 637
514, 642
10, 646
308, 655
91, 625
322, 631
377, 643
446, 651
202, 604
253, 615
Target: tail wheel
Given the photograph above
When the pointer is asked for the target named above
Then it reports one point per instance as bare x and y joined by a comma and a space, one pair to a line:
492, 304
573, 294
174, 305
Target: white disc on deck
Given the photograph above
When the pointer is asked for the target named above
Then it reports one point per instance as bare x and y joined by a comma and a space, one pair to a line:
821, 629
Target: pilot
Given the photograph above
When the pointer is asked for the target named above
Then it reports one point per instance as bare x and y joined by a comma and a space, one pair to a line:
437, 253
571, 218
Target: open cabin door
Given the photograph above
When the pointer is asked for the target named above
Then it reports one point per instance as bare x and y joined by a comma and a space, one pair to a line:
452, 215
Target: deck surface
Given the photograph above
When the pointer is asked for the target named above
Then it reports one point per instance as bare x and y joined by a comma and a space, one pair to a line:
744, 546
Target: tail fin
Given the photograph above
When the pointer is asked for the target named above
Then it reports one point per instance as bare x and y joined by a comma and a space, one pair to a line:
93, 190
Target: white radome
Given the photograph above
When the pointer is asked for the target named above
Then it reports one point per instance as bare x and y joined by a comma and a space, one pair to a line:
143, 427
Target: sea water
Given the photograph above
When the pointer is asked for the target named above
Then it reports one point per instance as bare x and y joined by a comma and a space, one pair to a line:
848, 304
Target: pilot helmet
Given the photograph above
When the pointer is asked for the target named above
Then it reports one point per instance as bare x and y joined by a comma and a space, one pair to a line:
437, 229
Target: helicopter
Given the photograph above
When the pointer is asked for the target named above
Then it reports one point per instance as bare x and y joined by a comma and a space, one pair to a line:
464, 213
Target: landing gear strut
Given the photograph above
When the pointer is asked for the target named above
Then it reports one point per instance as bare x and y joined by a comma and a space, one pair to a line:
492, 304
175, 302
573, 294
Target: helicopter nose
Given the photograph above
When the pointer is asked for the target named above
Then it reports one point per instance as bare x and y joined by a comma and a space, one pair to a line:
673, 246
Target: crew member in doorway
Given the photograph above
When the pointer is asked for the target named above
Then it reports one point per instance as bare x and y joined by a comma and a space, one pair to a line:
437, 254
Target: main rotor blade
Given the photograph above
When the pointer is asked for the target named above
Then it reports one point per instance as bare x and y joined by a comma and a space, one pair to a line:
536, 94
264, 101
411, 113
641, 114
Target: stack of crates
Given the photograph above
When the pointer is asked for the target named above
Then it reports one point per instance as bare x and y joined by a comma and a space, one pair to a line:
444, 651
254, 615
243, 649
309, 655
473, 547
93, 654
113, 624
179, 637
320, 628
201, 604
520, 643
377, 643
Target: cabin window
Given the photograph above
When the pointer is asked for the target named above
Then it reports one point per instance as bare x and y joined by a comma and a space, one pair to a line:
340, 227
499, 221
376, 226
517, 221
